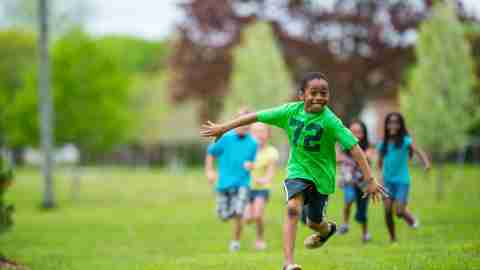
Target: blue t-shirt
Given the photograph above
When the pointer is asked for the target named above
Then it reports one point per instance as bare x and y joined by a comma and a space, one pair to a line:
231, 152
395, 162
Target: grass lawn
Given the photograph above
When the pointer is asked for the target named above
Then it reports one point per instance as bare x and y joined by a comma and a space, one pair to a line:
154, 219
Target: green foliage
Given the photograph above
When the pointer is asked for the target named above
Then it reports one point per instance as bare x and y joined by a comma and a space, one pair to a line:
260, 79
155, 220
473, 35
260, 76
96, 106
17, 53
6, 210
91, 98
438, 102
137, 55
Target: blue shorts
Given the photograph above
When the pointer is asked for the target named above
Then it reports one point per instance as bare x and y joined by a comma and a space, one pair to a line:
349, 193
352, 194
259, 193
398, 191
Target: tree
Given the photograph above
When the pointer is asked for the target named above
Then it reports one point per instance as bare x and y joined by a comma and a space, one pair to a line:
138, 55
260, 77
438, 101
473, 36
6, 210
17, 54
91, 98
362, 45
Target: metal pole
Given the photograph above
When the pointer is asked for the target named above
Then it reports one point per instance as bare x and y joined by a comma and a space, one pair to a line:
45, 105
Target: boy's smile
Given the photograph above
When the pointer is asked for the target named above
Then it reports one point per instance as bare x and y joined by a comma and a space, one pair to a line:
316, 95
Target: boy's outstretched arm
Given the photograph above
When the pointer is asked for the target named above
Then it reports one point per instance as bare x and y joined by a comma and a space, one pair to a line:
371, 186
211, 129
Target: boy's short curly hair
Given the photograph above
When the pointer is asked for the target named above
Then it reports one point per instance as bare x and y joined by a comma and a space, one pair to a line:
311, 76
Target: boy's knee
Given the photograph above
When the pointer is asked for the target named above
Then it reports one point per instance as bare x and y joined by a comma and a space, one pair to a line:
293, 209
400, 212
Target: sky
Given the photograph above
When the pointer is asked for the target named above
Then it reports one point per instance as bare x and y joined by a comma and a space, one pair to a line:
151, 19
154, 19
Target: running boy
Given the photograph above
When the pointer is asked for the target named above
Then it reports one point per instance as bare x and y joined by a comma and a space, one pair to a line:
231, 151
312, 129
395, 150
263, 170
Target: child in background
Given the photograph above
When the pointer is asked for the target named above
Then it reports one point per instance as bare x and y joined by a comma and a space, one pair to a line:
233, 180
395, 151
351, 176
313, 130
263, 171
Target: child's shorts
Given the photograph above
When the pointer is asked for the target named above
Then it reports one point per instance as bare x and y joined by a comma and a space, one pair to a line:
259, 193
349, 193
232, 202
315, 203
398, 191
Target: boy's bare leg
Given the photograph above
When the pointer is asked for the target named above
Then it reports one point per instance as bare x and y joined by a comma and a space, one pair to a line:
237, 228
294, 210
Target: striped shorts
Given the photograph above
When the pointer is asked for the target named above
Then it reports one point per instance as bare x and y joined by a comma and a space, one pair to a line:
232, 202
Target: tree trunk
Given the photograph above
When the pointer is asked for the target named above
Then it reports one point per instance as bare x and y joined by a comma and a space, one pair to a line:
45, 104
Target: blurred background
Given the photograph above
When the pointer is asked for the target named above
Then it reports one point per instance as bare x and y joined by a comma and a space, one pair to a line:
130, 82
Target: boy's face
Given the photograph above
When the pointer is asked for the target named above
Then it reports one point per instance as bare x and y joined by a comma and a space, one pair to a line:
316, 95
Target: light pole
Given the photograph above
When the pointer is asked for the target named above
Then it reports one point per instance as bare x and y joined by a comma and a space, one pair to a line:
45, 105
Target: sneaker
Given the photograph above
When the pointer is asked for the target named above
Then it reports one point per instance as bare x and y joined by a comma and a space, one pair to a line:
316, 240
260, 245
366, 238
343, 229
416, 224
292, 267
234, 246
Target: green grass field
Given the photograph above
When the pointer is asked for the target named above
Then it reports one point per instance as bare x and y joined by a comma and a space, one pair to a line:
153, 219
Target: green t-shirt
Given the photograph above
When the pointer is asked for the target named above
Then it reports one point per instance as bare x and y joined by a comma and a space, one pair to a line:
312, 138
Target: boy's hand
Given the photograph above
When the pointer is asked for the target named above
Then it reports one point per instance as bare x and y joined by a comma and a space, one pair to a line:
374, 189
210, 129
212, 177
248, 165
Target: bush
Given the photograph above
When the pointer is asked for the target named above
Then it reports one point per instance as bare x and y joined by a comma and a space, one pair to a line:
6, 210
